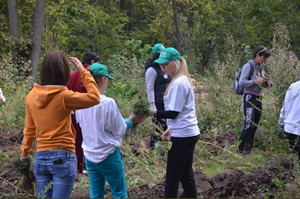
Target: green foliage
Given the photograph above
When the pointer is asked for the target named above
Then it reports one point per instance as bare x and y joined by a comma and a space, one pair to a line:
79, 26
282, 65
23, 166
15, 86
141, 107
4, 158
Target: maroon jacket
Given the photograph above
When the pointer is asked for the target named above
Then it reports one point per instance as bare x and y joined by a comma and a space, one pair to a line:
75, 84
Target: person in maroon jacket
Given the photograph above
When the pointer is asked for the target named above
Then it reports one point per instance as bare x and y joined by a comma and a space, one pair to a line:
76, 85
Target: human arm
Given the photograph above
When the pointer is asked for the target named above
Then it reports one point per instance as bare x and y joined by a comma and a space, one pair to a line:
245, 82
175, 102
76, 100
151, 76
285, 108
167, 114
29, 134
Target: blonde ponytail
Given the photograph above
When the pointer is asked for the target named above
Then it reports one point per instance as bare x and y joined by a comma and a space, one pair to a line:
181, 69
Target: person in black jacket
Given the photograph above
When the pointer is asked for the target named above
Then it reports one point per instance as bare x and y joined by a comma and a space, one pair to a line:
156, 82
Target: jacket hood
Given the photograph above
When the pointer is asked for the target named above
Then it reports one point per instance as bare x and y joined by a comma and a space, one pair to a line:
42, 95
149, 64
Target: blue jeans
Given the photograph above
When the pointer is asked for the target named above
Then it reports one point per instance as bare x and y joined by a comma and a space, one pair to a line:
55, 173
112, 170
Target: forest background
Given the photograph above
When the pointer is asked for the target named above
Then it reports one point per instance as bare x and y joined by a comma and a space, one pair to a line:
215, 36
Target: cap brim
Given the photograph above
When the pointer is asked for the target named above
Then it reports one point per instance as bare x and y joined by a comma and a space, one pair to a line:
110, 77
161, 60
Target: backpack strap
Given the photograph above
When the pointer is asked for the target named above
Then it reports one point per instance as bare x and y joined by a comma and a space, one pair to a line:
251, 69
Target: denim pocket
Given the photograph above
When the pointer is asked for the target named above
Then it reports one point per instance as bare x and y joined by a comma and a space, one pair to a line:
68, 168
39, 169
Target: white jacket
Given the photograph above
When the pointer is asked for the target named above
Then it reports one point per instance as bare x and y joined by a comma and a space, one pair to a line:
290, 112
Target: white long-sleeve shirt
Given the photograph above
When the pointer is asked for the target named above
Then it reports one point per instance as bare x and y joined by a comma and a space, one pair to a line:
102, 129
150, 82
290, 112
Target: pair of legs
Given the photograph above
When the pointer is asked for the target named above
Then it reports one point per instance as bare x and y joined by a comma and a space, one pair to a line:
78, 143
110, 170
160, 127
294, 141
55, 174
252, 108
180, 167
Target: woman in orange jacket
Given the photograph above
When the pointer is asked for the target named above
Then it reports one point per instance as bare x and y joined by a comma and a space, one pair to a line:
48, 120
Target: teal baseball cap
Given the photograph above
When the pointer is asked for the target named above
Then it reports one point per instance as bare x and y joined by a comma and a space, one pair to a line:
168, 54
100, 70
157, 48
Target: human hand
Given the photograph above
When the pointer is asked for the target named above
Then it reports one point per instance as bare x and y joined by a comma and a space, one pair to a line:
261, 80
22, 157
166, 136
137, 118
77, 63
153, 110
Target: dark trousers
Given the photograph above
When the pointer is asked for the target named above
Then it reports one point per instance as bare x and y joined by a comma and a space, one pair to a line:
78, 143
179, 167
160, 127
252, 108
294, 141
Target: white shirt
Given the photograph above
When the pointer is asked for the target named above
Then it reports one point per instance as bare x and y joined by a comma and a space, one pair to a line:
180, 98
290, 112
102, 129
150, 82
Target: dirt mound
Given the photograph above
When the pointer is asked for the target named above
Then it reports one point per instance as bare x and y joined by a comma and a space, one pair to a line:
147, 191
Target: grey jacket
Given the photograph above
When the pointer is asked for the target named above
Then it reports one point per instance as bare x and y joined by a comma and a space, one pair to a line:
249, 85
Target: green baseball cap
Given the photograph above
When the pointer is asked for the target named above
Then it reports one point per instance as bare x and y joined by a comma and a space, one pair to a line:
157, 48
100, 70
168, 54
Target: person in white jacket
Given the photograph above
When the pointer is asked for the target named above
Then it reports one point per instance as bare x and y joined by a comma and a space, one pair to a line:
102, 128
290, 118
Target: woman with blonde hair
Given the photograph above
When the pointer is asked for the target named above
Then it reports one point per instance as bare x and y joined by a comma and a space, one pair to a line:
182, 122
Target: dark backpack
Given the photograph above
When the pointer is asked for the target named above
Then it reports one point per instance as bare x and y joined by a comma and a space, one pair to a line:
238, 88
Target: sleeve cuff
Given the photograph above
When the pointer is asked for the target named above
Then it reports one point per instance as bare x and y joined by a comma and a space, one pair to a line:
129, 123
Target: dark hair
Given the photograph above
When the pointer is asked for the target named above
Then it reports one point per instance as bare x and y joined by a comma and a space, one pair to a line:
89, 57
55, 69
154, 57
261, 51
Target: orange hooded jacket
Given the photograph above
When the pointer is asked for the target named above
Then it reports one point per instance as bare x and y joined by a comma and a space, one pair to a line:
48, 114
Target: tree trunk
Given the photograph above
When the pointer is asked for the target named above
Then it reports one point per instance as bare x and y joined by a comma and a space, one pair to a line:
37, 36
13, 18
130, 14
122, 4
178, 35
